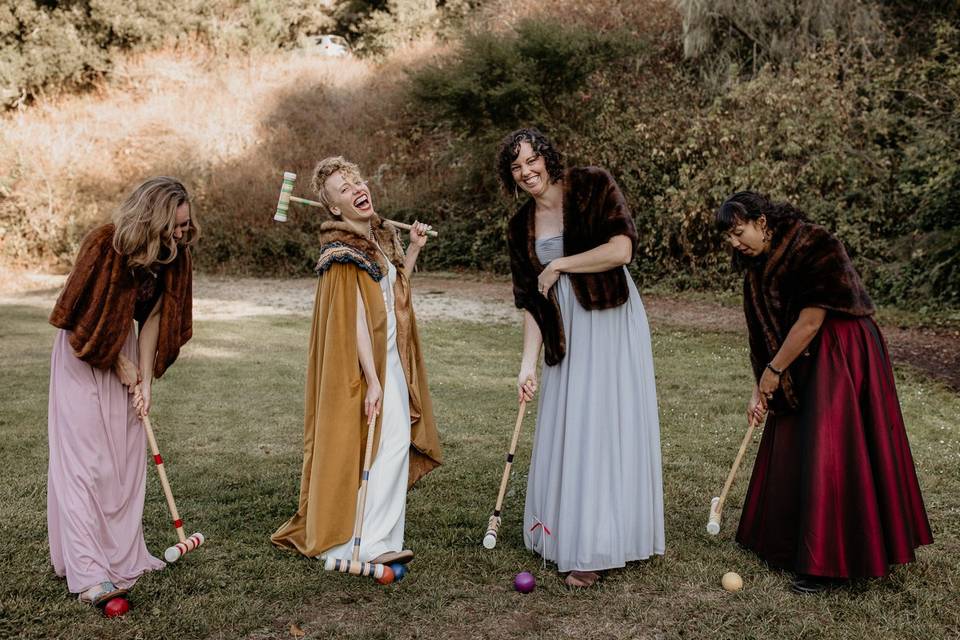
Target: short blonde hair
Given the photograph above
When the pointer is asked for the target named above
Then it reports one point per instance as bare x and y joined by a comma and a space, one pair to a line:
146, 221
326, 168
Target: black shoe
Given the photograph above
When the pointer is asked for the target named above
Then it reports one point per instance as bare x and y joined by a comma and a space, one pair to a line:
812, 584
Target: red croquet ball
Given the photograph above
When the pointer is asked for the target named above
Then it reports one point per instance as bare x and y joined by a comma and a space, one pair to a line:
116, 607
387, 576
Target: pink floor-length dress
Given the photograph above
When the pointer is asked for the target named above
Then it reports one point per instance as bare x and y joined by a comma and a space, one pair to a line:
97, 473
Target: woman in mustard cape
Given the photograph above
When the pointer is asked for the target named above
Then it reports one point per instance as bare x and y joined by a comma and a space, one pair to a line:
364, 357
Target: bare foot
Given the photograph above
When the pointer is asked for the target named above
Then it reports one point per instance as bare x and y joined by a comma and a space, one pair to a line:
581, 579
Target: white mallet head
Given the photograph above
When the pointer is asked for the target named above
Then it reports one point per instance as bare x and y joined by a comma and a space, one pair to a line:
493, 525
713, 524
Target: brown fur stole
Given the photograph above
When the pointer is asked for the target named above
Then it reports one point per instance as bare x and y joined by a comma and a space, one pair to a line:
594, 210
805, 267
340, 243
98, 300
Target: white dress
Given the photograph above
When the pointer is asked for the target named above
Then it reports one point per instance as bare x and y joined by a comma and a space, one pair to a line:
386, 505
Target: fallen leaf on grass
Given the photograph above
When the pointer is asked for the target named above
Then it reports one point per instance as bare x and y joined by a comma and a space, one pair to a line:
296, 631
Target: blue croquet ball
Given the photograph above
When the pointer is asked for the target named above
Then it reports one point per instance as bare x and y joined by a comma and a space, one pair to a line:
524, 582
399, 571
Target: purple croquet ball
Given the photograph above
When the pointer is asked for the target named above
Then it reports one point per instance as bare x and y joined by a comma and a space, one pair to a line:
524, 582
399, 571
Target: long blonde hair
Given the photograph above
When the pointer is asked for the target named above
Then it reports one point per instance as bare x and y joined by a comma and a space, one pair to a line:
147, 219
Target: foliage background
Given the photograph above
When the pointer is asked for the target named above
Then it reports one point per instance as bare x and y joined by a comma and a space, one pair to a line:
849, 109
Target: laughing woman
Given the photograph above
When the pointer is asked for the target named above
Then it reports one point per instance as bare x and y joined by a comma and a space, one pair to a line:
834, 493
595, 480
136, 271
364, 359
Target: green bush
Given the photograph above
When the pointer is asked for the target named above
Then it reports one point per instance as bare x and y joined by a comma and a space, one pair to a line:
538, 73
497, 81
866, 147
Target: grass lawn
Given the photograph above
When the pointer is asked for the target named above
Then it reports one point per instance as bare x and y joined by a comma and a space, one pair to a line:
228, 418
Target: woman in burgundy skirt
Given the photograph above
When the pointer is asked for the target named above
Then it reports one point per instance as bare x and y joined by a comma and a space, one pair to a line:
834, 493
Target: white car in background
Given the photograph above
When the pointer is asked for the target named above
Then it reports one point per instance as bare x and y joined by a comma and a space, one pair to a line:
329, 45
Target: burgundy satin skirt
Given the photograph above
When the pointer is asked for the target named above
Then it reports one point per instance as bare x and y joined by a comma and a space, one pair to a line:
834, 490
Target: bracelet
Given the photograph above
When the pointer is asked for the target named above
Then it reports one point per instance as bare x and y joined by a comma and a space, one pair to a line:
770, 366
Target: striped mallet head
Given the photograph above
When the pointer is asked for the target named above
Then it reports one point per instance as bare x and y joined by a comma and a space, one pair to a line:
713, 523
286, 190
174, 553
493, 525
353, 567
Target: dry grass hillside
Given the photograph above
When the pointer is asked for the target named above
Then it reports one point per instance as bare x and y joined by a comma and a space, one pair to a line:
227, 128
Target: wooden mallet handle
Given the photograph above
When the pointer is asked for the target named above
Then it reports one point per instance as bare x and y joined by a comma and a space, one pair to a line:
185, 544
286, 197
493, 525
716, 504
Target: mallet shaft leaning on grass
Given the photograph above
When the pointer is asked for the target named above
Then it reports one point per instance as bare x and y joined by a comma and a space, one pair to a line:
185, 544
716, 505
286, 197
493, 525
354, 566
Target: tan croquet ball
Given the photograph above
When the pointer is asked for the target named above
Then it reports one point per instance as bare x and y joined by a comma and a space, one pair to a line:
732, 581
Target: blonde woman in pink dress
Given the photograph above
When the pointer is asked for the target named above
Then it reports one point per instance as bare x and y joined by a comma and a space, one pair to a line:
123, 315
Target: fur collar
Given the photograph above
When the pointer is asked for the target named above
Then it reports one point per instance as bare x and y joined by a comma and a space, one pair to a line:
99, 298
806, 267
340, 243
594, 210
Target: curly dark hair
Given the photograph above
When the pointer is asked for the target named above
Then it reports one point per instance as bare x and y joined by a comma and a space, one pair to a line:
747, 206
510, 148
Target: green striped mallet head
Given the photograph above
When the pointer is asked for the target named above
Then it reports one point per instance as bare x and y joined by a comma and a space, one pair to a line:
285, 191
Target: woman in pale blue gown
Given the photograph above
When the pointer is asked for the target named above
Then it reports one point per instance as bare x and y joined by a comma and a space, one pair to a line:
595, 494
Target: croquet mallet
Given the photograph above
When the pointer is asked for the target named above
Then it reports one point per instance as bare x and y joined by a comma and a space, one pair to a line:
716, 505
354, 566
186, 544
286, 197
493, 525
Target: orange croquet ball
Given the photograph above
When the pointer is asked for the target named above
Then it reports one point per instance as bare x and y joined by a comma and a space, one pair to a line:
387, 576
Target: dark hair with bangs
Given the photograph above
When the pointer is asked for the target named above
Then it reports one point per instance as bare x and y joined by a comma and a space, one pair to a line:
748, 206
510, 148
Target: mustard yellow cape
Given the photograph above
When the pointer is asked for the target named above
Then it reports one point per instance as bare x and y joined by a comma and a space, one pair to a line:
335, 428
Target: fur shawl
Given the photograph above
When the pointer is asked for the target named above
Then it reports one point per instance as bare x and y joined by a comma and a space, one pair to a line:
98, 300
805, 267
339, 243
594, 210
